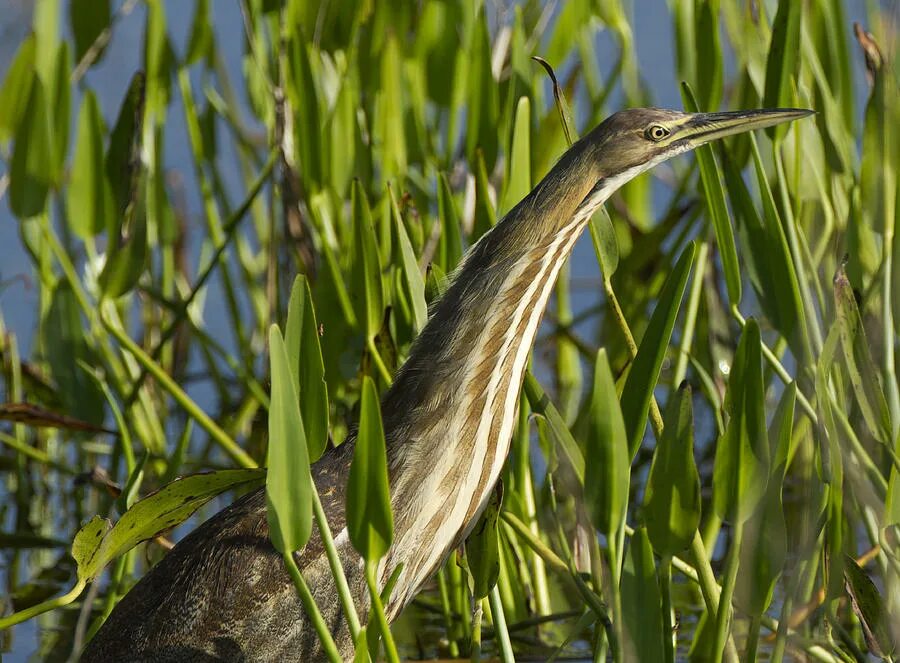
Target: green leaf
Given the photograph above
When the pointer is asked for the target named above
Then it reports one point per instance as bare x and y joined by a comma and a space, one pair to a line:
483, 97
485, 215
288, 483
641, 602
714, 194
390, 111
90, 200
16, 89
127, 256
410, 276
65, 345
369, 520
61, 110
709, 54
781, 430
94, 547
541, 405
483, 547
642, 378
672, 497
783, 60
741, 469
89, 18
518, 169
368, 296
301, 338
122, 157
159, 61
870, 609
858, 358
31, 170
201, 43
304, 98
450, 246
86, 545
607, 469
606, 244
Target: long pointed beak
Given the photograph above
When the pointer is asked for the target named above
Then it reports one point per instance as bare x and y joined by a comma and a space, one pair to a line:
705, 127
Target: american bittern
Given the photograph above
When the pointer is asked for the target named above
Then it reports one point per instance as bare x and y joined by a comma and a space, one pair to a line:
223, 593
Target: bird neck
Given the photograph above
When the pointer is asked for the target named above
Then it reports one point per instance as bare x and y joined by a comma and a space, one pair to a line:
451, 411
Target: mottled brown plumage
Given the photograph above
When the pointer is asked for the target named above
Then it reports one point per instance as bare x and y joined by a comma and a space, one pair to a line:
222, 594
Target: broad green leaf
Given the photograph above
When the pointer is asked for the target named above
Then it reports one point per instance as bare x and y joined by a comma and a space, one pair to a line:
781, 430
642, 378
450, 245
390, 111
641, 602
708, 82
31, 170
606, 245
89, 18
518, 169
768, 257
763, 551
159, 61
16, 90
86, 545
301, 338
482, 547
858, 358
368, 296
783, 60
127, 255
122, 156
304, 98
483, 97
90, 200
65, 344
370, 523
607, 471
714, 194
156, 513
288, 482
201, 43
672, 497
870, 610
408, 268
342, 125
485, 215
741, 469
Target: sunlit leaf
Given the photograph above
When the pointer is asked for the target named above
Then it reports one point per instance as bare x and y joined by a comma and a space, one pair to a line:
607, 469
672, 498
642, 378
90, 200
15, 93
367, 293
741, 468
518, 170
288, 482
370, 523
450, 246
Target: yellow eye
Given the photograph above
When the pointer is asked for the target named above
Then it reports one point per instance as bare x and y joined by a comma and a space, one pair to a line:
656, 132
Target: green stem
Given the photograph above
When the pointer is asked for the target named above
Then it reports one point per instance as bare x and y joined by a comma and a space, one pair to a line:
500, 632
379, 362
447, 612
752, 640
334, 562
665, 585
612, 557
312, 610
390, 649
723, 615
44, 606
475, 653
168, 384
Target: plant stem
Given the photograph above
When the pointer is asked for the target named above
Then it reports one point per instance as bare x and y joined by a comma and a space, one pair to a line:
334, 562
665, 586
752, 640
500, 632
390, 649
312, 610
723, 615
44, 606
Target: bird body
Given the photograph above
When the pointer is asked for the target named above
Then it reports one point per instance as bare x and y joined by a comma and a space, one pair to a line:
223, 593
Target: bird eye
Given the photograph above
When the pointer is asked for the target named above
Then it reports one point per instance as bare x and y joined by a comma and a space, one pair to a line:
656, 132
